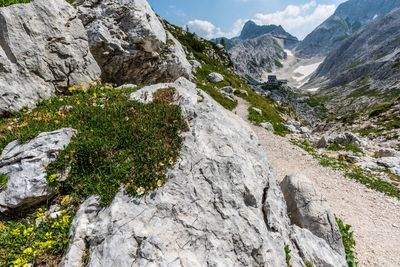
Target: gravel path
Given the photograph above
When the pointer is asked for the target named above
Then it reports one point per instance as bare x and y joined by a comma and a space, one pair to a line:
375, 218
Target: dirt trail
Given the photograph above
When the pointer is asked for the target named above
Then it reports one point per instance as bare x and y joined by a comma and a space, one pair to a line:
375, 218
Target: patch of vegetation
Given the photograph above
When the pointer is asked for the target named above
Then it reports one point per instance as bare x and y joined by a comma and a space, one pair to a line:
119, 142
396, 65
347, 147
4, 3
355, 64
315, 101
3, 180
38, 239
349, 243
278, 63
350, 170
288, 257
380, 108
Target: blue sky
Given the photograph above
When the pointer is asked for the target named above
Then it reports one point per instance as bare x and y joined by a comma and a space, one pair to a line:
214, 18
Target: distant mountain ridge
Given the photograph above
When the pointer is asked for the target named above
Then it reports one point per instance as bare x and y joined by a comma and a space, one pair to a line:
348, 18
258, 49
365, 69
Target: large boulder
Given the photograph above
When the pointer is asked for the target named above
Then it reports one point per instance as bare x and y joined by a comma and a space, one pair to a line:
345, 138
307, 208
215, 77
130, 43
220, 207
43, 48
25, 166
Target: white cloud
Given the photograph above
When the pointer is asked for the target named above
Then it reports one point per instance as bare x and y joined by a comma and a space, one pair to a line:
298, 20
208, 30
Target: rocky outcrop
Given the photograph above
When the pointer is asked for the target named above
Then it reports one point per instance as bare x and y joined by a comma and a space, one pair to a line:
25, 166
309, 209
220, 207
348, 18
130, 43
345, 138
215, 77
43, 48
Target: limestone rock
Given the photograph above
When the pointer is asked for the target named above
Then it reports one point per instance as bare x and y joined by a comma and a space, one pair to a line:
257, 110
130, 43
268, 126
220, 207
345, 138
215, 77
43, 48
25, 166
308, 209
195, 65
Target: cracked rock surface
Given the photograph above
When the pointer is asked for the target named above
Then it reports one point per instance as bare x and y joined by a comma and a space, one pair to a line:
25, 166
43, 48
130, 43
220, 207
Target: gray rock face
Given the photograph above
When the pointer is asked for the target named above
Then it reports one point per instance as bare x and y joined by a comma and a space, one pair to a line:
349, 17
215, 77
43, 48
251, 31
25, 166
345, 138
220, 207
309, 209
255, 57
130, 43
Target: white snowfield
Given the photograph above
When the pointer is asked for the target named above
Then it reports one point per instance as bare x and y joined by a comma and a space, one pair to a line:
305, 71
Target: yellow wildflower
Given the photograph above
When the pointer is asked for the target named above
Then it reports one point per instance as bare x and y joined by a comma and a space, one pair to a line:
66, 200
94, 95
28, 251
52, 178
159, 183
72, 89
83, 87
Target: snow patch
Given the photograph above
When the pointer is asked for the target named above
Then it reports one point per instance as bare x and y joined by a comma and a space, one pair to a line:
288, 52
312, 90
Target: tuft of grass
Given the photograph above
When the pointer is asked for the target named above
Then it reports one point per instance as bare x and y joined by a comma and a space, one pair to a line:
288, 257
396, 65
349, 243
346, 147
3, 180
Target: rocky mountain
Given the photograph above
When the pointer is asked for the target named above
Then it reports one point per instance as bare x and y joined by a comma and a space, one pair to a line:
253, 58
348, 18
251, 31
365, 69
259, 49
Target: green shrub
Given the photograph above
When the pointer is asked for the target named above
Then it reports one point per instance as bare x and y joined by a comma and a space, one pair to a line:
3, 180
349, 243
